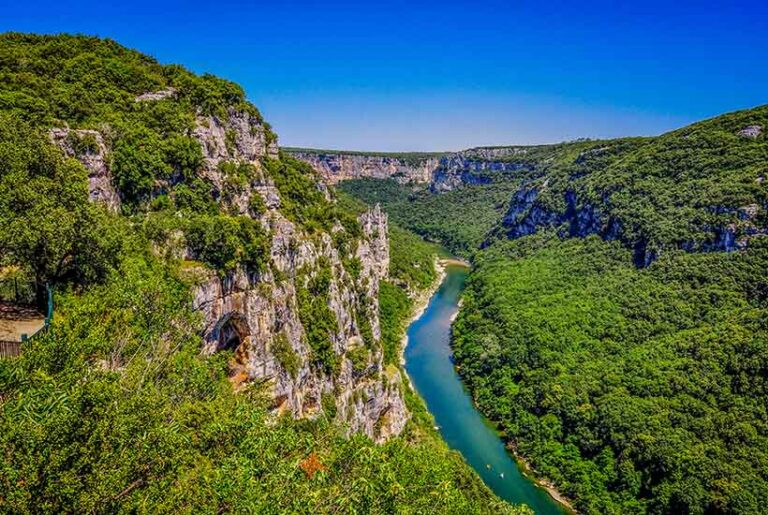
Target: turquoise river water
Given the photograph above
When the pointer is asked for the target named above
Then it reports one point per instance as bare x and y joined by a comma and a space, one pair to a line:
429, 365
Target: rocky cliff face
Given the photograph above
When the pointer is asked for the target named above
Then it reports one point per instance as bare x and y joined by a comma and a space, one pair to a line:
258, 315
526, 215
335, 167
443, 172
471, 167
240, 136
88, 147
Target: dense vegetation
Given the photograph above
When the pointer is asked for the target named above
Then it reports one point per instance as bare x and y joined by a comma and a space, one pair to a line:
46, 226
459, 220
634, 390
114, 409
89, 81
621, 349
84, 82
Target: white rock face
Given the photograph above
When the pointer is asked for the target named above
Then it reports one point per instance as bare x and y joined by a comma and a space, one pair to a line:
154, 96
751, 131
87, 146
266, 311
442, 172
242, 136
335, 167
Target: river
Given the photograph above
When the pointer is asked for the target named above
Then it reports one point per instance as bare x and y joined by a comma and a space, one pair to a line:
428, 363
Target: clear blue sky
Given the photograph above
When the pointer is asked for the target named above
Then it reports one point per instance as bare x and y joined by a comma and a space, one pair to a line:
447, 75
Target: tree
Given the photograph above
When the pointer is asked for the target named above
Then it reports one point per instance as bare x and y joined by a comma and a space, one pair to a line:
47, 225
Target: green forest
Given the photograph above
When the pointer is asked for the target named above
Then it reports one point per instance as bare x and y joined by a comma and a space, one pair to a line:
115, 409
458, 220
604, 327
633, 390
614, 323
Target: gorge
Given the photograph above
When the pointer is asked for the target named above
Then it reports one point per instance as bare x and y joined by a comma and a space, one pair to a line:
612, 322
229, 314
429, 364
227, 327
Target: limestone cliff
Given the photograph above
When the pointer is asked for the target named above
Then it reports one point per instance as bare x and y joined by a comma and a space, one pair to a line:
340, 166
260, 314
88, 147
442, 172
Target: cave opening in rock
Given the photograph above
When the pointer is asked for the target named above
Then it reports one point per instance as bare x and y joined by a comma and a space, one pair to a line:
233, 330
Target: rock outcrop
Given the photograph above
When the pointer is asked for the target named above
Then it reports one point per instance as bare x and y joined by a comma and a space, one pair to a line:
442, 172
240, 137
87, 146
751, 131
527, 215
154, 96
335, 167
258, 316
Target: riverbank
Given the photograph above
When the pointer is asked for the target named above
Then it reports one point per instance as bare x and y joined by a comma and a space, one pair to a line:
421, 301
525, 467
540, 481
455, 418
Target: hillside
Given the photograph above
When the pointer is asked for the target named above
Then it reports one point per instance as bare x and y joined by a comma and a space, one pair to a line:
226, 329
614, 320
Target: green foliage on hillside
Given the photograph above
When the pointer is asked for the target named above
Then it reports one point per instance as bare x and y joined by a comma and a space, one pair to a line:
86, 82
317, 318
459, 220
116, 410
411, 259
395, 308
224, 241
47, 226
672, 191
634, 390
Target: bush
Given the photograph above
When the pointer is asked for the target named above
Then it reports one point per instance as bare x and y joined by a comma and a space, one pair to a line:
316, 316
223, 242
285, 355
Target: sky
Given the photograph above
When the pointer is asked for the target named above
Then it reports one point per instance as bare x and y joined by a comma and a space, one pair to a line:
419, 75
